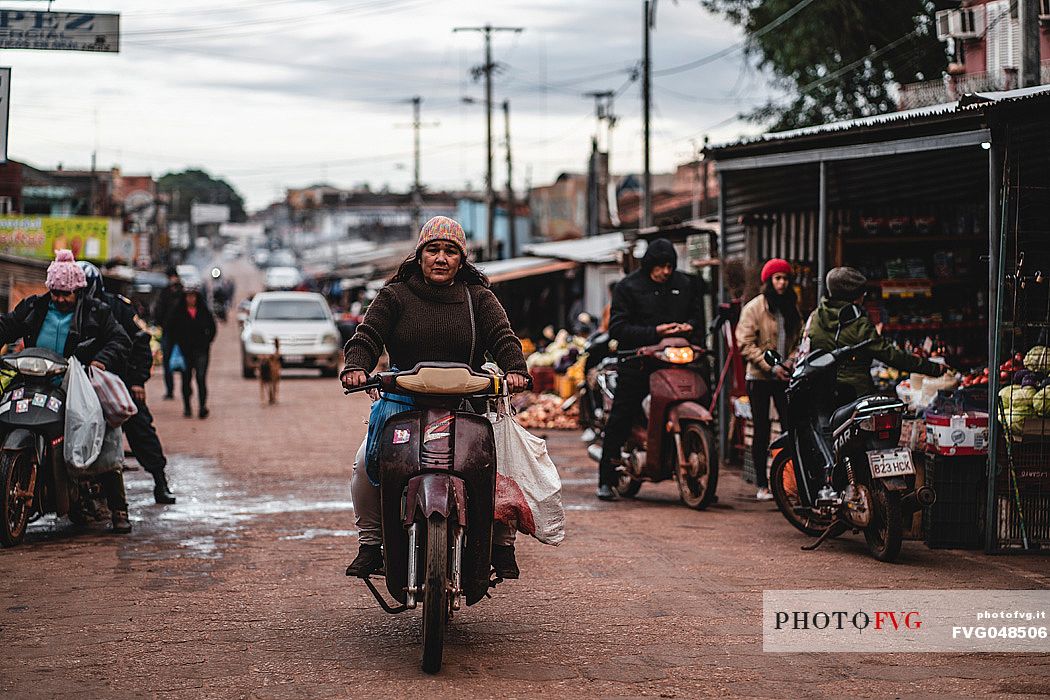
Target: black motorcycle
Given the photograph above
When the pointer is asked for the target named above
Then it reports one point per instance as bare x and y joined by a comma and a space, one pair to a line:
873, 479
33, 471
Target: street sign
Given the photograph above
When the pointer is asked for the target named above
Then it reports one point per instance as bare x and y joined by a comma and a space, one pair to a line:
59, 31
5, 110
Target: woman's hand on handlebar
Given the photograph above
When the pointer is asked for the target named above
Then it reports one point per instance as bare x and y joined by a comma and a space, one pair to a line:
516, 382
353, 379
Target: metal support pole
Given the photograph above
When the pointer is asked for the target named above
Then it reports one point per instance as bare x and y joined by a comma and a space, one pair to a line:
647, 182
723, 296
996, 274
822, 230
490, 189
417, 195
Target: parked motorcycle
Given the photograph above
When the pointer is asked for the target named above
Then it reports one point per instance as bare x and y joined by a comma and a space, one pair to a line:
33, 472
588, 396
674, 437
873, 480
438, 492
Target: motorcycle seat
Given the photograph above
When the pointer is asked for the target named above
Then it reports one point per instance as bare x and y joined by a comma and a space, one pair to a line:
845, 413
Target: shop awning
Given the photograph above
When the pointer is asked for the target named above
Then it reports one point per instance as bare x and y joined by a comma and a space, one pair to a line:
595, 249
518, 268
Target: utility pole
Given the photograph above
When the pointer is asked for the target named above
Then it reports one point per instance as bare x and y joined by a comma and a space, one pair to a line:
487, 69
648, 20
417, 184
1028, 18
603, 114
511, 232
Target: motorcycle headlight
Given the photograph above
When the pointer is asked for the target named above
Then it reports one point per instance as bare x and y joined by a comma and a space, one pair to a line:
258, 338
678, 356
33, 366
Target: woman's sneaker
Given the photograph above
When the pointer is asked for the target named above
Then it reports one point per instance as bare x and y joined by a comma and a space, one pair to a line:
763, 495
368, 561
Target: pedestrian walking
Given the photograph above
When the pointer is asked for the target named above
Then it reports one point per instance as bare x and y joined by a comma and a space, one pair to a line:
770, 321
162, 309
192, 328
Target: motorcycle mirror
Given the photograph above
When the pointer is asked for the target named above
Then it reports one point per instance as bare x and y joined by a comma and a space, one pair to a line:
772, 358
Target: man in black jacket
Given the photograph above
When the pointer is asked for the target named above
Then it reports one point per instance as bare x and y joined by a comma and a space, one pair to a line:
139, 429
72, 323
654, 302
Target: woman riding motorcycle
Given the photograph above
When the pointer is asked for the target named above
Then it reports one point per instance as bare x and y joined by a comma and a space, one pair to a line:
422, 314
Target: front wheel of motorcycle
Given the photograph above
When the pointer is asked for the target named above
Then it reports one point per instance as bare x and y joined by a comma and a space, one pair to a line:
886, 531
435, 593
698, 477
16, 476
784, 486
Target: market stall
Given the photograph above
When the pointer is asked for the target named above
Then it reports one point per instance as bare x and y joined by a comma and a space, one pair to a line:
920, 202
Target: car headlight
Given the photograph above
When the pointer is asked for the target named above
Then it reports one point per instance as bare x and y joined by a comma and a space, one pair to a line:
330, 339
258, 338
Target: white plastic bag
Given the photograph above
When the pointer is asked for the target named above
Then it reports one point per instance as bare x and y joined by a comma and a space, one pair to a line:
85, 424
528, 488
116, 401
111, 456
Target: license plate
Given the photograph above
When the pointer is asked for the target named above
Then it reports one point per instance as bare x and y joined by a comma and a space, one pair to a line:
886, 463
293, 359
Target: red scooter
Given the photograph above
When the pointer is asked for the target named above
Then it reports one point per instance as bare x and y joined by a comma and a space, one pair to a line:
437, 486
674, 438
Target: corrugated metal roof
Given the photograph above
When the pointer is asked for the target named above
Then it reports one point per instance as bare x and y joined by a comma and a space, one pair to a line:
596, 249
975, 101
517, 268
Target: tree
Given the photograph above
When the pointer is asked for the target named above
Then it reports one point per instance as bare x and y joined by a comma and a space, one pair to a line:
196, 185
837, 59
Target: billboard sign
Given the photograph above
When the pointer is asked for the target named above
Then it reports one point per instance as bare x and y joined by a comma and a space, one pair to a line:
209, 213
60, 31
41, 236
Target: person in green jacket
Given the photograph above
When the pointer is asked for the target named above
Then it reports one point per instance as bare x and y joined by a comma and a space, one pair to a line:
839, 321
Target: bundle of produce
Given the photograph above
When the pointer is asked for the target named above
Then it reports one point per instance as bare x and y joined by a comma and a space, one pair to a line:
545, 412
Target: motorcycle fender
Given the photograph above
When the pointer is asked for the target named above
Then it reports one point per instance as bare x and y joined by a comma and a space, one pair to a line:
685, 412
895, 483
428, 494
18, 439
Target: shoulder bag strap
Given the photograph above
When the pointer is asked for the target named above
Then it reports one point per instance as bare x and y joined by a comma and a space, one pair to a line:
473, 330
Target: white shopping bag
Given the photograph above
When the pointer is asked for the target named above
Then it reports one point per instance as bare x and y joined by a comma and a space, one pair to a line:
85, 425
111, 456
528, 488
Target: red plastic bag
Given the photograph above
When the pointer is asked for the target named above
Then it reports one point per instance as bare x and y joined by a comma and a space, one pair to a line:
117, 404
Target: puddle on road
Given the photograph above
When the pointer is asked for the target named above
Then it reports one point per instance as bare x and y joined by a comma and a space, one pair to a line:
210, 513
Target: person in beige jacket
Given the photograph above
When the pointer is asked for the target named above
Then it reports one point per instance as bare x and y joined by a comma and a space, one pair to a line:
770, 321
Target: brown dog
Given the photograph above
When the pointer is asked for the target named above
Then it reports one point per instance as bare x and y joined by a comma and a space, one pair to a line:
270, 374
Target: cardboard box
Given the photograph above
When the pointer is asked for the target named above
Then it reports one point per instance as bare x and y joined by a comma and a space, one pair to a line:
963, 434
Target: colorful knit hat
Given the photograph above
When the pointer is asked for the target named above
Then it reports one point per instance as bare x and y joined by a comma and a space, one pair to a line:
64, 274
776, 266
442, 228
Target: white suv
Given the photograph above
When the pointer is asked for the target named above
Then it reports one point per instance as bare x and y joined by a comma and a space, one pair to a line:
303, 323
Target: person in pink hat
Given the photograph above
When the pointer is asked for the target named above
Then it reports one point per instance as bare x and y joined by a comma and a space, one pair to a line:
770, 321
69, 322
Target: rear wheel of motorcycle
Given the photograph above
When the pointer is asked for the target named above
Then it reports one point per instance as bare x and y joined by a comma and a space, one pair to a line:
698, 477
886, 530
783, 484
435, 593
16, 473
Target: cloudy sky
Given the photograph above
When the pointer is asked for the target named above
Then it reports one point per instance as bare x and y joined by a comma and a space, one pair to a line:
279, 93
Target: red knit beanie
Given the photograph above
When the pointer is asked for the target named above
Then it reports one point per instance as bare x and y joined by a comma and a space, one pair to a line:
775, 266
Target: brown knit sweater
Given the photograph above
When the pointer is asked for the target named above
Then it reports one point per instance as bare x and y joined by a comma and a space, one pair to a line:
418, 322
